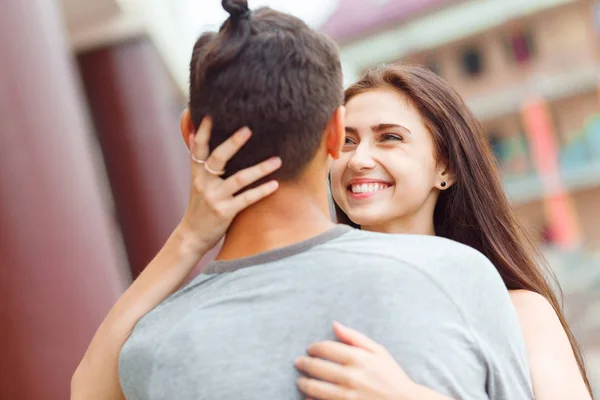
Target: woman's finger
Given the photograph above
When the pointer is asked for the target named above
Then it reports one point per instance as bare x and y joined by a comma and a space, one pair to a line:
251, 196
337, 352
355, 338
199, 146
323, 390
326, 371
247, 176
223, 153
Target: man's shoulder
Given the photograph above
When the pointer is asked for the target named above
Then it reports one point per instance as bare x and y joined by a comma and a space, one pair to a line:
452, 265
420, 249
406, 241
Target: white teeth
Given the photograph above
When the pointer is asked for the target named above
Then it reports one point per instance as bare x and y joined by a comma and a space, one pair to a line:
368, 187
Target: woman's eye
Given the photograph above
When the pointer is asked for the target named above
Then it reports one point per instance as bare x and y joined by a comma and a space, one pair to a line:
349, 141
391, 136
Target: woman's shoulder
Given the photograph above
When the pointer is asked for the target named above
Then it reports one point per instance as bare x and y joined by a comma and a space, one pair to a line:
544, 334
539, 321
533, 306
553, 366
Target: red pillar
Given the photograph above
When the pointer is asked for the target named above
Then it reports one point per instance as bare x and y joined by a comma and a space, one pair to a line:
136, 108
60, 264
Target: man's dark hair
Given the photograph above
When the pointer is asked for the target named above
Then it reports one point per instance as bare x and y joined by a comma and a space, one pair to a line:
269, 71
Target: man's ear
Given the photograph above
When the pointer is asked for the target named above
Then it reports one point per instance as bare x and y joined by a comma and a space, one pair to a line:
186, 126
336, 132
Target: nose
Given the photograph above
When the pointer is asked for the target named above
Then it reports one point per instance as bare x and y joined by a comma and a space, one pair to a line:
361, 159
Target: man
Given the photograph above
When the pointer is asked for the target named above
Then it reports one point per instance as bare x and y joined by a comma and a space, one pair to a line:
286, 272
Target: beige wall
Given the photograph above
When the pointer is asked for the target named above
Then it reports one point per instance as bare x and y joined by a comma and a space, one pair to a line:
565, 39
587, 209
587, 205
533, 218
569, 117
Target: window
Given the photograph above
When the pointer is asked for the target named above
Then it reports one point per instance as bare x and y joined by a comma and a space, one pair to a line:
519, 46
496, 144
472, 61
511, 152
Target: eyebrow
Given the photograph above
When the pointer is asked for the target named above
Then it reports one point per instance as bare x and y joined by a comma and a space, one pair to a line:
383, 127
379, 128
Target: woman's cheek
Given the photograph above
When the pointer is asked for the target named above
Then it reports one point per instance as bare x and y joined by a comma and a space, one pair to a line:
336, 188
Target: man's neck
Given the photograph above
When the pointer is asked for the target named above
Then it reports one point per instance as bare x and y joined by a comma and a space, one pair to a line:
292, 214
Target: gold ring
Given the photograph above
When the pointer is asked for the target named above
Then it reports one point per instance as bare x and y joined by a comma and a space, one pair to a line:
206, 167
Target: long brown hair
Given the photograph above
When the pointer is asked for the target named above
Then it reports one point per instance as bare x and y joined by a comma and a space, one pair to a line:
474, 211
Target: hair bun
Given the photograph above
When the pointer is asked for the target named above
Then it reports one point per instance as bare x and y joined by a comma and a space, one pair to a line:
236, 8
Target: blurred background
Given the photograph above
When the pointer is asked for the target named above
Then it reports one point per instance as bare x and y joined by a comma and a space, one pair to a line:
94, 173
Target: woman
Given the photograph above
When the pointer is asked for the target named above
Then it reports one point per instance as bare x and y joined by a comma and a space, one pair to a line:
415, 161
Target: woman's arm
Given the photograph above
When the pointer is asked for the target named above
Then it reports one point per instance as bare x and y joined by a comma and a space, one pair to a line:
96, 376
554, 370
210, 210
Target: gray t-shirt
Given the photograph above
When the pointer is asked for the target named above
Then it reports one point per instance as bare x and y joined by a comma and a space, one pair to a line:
439, 307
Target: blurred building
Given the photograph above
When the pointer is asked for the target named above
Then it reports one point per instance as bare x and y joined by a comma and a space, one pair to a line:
530, 71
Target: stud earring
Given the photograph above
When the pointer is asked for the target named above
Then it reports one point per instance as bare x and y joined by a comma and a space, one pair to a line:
443, 184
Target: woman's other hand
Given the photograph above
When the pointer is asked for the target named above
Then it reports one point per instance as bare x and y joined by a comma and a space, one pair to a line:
358, 368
